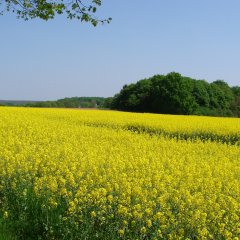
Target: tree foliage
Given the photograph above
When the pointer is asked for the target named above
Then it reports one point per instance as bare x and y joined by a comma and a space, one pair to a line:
236, 102
176, 94
48, 9
74, 102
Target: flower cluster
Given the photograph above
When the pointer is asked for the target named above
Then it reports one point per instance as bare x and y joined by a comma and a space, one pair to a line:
67, 174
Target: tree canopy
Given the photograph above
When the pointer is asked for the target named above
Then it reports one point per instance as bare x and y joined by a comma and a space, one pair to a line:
48, 9
176, 94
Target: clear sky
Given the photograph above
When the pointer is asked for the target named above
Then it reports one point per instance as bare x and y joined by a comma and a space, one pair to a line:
62, 58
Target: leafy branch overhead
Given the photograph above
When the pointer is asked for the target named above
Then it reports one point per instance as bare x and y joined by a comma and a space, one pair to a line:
47, 9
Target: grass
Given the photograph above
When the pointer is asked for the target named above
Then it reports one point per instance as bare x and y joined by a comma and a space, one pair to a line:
5, 234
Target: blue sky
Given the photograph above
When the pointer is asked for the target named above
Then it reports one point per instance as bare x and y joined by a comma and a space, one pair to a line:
62, 58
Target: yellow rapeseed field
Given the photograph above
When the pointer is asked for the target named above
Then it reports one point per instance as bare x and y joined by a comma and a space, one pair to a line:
69, 174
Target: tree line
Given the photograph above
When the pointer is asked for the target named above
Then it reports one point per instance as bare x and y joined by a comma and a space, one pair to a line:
166, 94
176, 94
74, 102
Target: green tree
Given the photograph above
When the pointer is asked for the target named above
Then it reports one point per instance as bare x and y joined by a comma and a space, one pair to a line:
173, 94
236, 102
221, 98
107, 103
125, 100
236, 91
133, 97
83, 10
176, 94
200, 92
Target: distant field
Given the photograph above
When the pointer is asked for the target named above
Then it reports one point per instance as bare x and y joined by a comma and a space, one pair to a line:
67, 174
